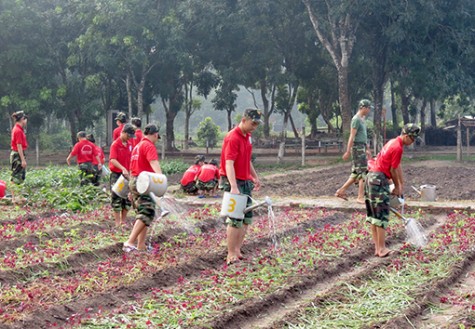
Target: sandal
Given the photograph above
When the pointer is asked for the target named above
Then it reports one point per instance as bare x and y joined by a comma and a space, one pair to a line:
128, 248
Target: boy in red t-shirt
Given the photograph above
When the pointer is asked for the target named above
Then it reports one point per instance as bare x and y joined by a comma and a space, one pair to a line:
19, 144
95, 164
120, 120
137, 124
85, 152
207, 178
144, 158
188, 181
386, 167
119, 164
238, 176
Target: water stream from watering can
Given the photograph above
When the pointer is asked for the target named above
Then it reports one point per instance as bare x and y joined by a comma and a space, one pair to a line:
272, 225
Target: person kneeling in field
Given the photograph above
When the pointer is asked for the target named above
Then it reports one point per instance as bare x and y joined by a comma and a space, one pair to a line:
386, 167
144, 158
95, 165
119, 164
85, 151
207, 180
188, 181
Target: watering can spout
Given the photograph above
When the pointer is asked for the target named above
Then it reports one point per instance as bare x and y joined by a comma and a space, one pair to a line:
267, 202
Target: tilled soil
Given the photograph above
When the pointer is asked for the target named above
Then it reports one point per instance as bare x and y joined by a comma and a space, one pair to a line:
453, 181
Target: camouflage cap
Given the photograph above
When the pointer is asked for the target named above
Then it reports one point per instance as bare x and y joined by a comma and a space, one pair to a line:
411, 129
151, 129
121, 116
214, 162
129, 130
365, 103
253, 114
199, 158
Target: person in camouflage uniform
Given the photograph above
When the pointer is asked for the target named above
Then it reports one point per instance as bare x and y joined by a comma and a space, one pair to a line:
207, 178
19, 144
85, 151
119, 164
387, 167
144, 158
358, 148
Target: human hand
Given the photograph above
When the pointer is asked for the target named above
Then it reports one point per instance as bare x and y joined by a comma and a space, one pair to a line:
346, 156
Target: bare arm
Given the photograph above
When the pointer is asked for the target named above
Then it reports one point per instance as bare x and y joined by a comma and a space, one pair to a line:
22, 155
68, 160
117, 164
231, 175
156, 166
396, 174
351, 141
257, 182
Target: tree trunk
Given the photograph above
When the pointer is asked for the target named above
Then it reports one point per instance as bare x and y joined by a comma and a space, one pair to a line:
433, 121
423, 120
140, 91
187, 115
405, 107
343, 97
128, 86
292, 124
394, 110
73, 127
265, 102
230, 121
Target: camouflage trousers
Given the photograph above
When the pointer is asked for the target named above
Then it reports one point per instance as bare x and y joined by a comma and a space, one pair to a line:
144, 204
87, 173
18, 172
359, 166
190, 188
207, 186
96, 179
377, 199
245, 187
117, 203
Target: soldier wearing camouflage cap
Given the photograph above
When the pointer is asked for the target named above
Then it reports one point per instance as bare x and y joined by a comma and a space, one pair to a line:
387, 167
238, 176
120, 120
144, 158
358, 148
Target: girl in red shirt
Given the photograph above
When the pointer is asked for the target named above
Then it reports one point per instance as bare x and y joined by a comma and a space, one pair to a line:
19, 145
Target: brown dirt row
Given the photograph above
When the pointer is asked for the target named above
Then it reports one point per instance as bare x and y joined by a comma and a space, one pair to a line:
252, 309
162, 278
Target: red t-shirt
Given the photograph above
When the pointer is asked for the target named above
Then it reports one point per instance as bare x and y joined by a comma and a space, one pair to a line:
101, 156
142, 154
85, 151
208, 172
190, 174
116, 132
237, 147
18, 137
138, 137
389, 157
121, 153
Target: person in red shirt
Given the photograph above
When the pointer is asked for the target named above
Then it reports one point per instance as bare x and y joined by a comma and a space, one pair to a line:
19, 145
238, 176
85, 152
207, 178
144, 158
119, 164
120, 120
95, 164
386, 167
188, 181
137, 123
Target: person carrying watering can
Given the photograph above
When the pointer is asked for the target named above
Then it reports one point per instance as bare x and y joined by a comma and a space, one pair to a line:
386, 167
119, 164
358, 148
144, 158
97, 174
19, 145
238, 176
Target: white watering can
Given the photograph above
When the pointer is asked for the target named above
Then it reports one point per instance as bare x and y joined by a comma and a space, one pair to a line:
234, 205
427, 192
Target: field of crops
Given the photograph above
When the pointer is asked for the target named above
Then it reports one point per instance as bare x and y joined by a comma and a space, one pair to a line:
61, 266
